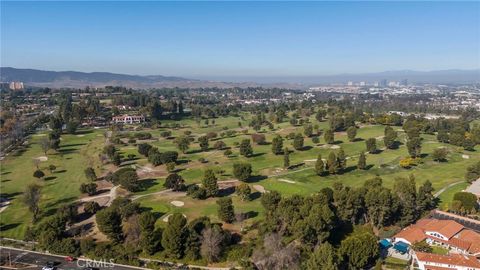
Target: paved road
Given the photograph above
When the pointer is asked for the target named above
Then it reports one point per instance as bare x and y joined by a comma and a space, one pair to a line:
40, 259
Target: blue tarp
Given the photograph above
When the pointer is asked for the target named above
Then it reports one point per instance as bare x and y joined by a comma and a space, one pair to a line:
401, 247
385, 243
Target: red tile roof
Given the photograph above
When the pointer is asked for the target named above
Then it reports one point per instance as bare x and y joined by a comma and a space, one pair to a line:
452, 259
447, 228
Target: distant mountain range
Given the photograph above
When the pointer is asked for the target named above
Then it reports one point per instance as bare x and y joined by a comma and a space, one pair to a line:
74, 79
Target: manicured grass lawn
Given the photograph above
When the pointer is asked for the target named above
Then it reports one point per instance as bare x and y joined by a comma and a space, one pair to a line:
439, 250
305, 181
394, 263
58, 188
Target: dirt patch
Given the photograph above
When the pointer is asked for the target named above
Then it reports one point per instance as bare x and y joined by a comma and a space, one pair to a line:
259, 188
151, 172
80, 135
286, 181
165, 219
40, 135
42, 158
177, 203
465, 156
334, 147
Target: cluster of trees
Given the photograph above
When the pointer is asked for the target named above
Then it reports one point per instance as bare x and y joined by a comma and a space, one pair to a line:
155, 156
335, 163
304, 225
126, 177
473, 172
464, 203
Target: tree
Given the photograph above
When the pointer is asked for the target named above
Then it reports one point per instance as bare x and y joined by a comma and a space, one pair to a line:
298, 142
72, 127
89, 188
277, 145
371, 144
440, 154
38, 174
332, 163
183, 143
150, 240
422, 246
406, 191
129, 180
258, 138
351, 133
212, 243
308, 130
468, 201
468, 144
173, 237
90, 174
414, 146
329, 136
242, 171
203, 143
389, 138
52, 168
286, 158
144, 148
323, 257
175, 182
425, 197
45, 144
246, 148
362, 161
342, 159
210, 183
31, 198
442, 136
117, 159
359, 249
91, 207
473, 172
243, 191
110, 223
219, 145
225, 209
319, 166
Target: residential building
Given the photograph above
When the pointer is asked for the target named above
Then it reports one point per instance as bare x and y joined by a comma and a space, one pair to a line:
128, 119
446, 233
429, 261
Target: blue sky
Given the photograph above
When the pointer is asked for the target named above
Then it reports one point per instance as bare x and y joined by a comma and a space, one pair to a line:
208, 39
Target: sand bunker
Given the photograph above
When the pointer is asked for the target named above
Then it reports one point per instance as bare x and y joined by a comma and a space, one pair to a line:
178, 203
465, 156
40, 135
165, 219
286, 181
259, 188
80, 135
42, 158
334, 147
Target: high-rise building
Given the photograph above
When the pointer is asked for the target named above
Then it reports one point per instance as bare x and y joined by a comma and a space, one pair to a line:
16, 85
404, 82
383, 83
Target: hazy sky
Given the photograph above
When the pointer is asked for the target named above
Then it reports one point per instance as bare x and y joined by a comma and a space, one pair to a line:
240, 38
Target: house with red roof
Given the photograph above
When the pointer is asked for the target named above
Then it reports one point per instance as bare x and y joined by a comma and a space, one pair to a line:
446, 233
429, 261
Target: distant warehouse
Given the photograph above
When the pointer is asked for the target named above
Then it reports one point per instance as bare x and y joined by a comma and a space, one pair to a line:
128, 119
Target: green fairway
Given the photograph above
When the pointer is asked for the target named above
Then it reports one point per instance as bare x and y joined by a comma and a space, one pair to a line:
58, 188
302, 178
